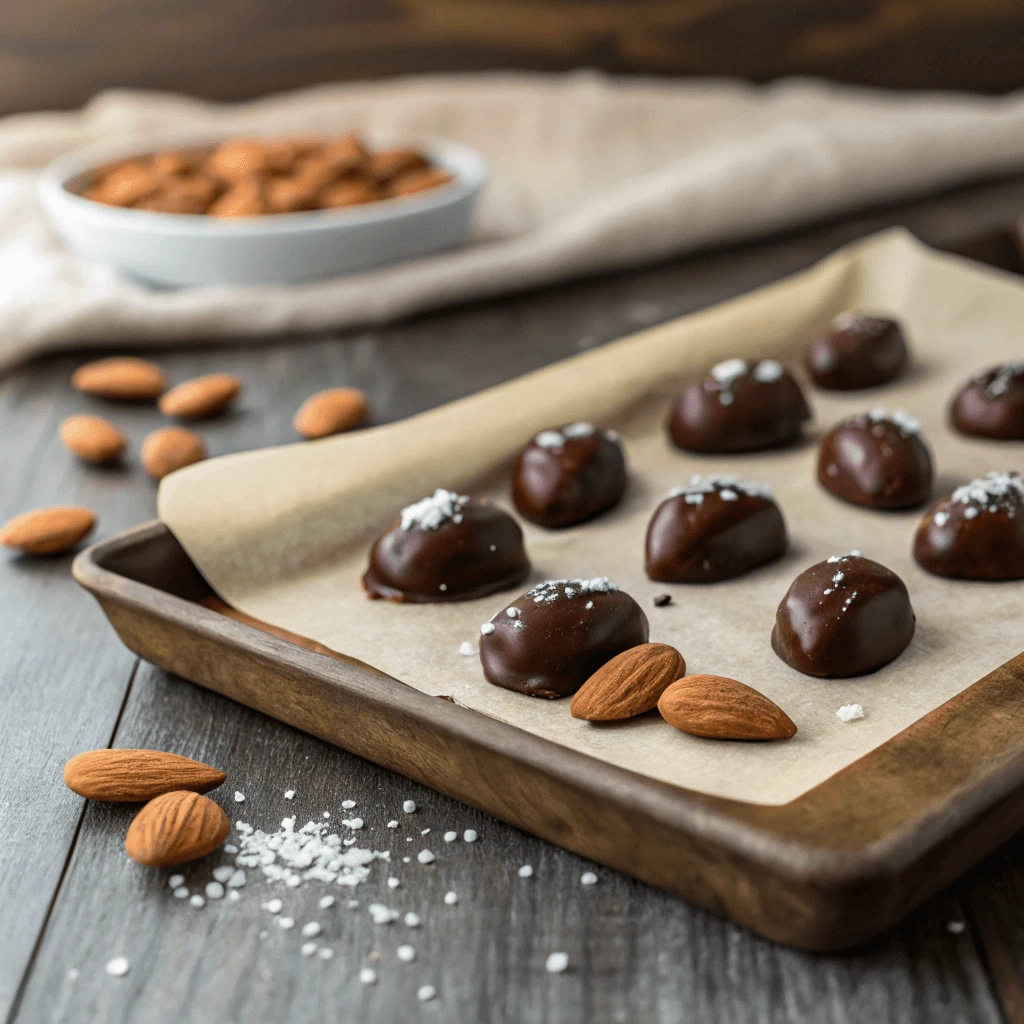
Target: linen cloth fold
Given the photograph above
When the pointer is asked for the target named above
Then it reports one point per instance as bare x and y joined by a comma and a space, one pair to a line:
589, 174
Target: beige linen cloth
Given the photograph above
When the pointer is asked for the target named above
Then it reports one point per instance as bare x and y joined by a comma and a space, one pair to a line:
589, 174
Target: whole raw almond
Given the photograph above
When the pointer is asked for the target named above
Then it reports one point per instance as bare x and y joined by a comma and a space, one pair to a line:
92, 438
330, 412
204, 396
629, 684
121, 378
169, 449
47, 531
126, 776
723, 709
174, 828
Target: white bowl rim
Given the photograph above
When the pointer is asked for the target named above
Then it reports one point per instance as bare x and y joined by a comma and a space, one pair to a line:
468, 165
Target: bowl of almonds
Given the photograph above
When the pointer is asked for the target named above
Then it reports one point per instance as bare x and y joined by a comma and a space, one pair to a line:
248, 211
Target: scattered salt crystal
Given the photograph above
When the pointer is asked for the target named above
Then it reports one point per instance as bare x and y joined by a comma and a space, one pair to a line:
311, 929
469, 835
850, 712
970, 512
181, 892
393, 883
423, 832
513, 612
382, 914
273, 906
425, 857
223, 872
412, 920
588, 878
451, 898
352, 822
214, 890
407, 860
549, 439
327, 814
450, 837
239, 797
175, 880
117, 967
432, 512
557, 962
237, 879
234, 895
767, 371
409, 806
487, 628
392, 824
230, 848
348, 804
467, 649
425, 993
287, 923
729, 370
406, 954
307, 948
368, 976
526, 871
956, 927
326, 953
326, 901
289, 794
196, 901
940, 518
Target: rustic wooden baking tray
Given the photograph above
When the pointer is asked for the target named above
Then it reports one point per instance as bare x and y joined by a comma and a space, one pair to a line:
831, 869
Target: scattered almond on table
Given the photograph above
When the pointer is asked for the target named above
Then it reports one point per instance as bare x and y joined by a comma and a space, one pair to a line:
331, 412
169, 449
48, 531
127, 776
628, 685
716, 707
92, 438
175, 828
201, 397
121, 378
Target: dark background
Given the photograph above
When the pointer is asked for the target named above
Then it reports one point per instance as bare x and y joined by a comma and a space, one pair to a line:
57, 53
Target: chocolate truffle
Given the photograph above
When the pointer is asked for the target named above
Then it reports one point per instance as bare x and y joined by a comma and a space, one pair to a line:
568, 475
843, 617
447, 547
740, 407
858, 351
551, 640
715, 528
978, 533
992, 404
876, 459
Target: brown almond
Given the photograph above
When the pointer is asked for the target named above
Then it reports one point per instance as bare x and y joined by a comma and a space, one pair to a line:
723, 709
630, 684
175, 828
121, 378
169, 449
331, 412
125, 776
47, 531
92, 438
202, 397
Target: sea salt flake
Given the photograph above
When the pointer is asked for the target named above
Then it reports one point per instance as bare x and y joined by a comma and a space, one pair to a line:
451, 898
348, 804
425, 857
487, 628
311, 929
382, 914
550, 439
424, 831
289, 794
196, 901
214, 890
273, 906
767, 371
287, 923
223, 872
409, 806
176, 880
181, 892
326, 953
425, 993
467, 649
412, 920
581, 429
406, 954
940, 518
394, 883
556, 963
234, 895
526, 871
239, 797
117, 967
729, 370
588, 878
433, 512
850, 712
307, 948
392, 824
450, 837
355, 823
368, 976
470, 835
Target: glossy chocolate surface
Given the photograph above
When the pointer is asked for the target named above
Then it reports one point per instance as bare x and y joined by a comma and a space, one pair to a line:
740, 406
858, 351
447, 547
978, 533
715, 528
992, 404
876, 459
551, 640
568, 475
846, 616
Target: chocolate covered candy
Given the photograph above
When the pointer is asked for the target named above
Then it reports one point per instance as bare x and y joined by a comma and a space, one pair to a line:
715, 528
568, 475
551, 640
992, 404
858, 351
876, 459
843, 617
447, 547
978, 533
740, 406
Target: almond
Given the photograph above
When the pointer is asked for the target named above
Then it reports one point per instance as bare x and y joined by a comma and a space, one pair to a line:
331, 412
122, 378
174, 828
125, 776
204, 396
723, 709
92, 438
47, 531
169, 449
629, 684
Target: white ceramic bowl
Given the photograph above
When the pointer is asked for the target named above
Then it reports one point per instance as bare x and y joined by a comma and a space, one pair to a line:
172, 249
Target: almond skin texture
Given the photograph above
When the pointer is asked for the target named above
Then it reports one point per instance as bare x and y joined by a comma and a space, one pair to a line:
92, 438
630, 684
202, 397
331, 412
723, 709
175, 828
47, 531
121, 379
128, 776
169, 449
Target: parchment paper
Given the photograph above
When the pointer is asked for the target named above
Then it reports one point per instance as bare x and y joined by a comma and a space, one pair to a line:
283, 533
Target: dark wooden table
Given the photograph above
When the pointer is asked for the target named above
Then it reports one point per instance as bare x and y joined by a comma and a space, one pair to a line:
70, 899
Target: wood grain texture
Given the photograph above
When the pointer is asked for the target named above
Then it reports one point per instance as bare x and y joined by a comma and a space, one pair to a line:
641, 955
60, 53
